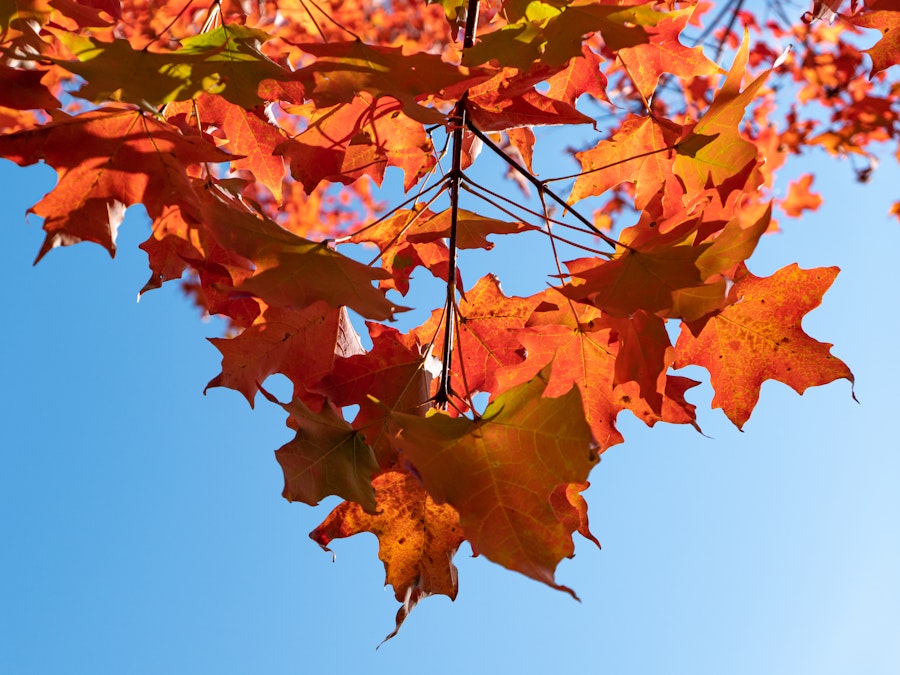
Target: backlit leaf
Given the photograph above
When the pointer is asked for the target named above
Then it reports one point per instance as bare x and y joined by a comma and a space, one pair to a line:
759, 338
500, 473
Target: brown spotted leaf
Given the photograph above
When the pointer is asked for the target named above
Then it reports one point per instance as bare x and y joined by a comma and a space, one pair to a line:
417, 538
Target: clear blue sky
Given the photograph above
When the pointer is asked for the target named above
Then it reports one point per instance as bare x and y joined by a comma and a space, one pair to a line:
144, 532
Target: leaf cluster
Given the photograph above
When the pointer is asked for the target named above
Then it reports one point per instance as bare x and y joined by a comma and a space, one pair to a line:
257, 138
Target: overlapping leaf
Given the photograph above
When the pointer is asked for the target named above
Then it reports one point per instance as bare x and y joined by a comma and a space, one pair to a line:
509, 100
486, 341
641, 152
580, 351
343, 69
552, 32
301, 344
395, 376
664, 53
361, 137
250, 136
225, 61
107, 159
23, 90
713, 152
327, 457
501, 471
883, 15
288, 270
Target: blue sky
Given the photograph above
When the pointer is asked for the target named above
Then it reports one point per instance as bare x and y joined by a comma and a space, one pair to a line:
144, 531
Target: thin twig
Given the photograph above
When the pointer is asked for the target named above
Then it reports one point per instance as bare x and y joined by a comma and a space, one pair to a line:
405, 227
541, 186
469, 184
349, 237
330, 18
612, 164
315, 23
169, 27
539, 230
556, 260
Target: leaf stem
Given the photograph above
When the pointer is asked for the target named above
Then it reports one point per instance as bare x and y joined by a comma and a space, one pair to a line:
546, 219
330, 18
469, 184
541, 185
169, 27
415, 197
612, 164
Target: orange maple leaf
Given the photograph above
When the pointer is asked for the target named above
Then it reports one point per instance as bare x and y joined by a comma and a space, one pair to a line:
883, 15
417, 538
800, 198
758, 337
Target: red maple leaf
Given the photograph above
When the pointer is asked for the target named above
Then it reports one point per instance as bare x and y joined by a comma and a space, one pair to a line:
759, 337
107, 159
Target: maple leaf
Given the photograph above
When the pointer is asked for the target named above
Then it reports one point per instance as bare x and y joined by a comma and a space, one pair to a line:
300, 344
667, 268
289, 270
571, 507
327, 457
22, 89
664, 53
736, 241
399, 256
758, 337
800, 198
486, 342
509, 100
500, 473
417, 538
644, 353
250, 136
640, 152
581, 76
18, 16
89, 13
343, 69
712, 151
395, 376
224, 61
107, 159
665, 279
472, 229
581, 351
360, 138
883, 15
411, 238
553, 34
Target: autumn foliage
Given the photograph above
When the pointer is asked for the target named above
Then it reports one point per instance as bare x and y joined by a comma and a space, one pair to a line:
257, 135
